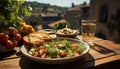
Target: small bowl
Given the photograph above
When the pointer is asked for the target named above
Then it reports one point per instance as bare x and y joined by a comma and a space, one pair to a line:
75, 33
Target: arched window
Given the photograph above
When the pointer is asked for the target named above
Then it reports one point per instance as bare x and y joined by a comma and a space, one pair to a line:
103, 14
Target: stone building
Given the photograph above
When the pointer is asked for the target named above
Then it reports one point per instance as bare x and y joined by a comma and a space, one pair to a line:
40, 20
103, 11
51, 16
75, 14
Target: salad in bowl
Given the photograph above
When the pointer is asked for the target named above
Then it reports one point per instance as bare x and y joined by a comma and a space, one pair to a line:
67, 32
56, 51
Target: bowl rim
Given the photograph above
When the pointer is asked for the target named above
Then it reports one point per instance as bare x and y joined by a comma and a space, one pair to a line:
24, 51
75, 33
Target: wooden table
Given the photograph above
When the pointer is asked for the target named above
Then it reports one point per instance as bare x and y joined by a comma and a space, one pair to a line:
102, 52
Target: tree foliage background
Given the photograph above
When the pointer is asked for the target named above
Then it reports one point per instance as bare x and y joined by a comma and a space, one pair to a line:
10, 10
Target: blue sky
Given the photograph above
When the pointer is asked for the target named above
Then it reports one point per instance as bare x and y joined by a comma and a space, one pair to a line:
66, 3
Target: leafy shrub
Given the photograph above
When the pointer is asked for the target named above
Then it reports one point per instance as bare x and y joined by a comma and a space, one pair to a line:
61, 25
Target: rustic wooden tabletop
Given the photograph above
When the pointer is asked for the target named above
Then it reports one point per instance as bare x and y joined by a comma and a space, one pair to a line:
102, 52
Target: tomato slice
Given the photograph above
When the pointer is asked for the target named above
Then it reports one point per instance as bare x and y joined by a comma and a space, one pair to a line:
76, 54
63, 53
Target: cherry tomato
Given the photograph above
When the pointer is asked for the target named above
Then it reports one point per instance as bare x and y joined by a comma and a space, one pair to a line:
43, 56
41, 52
3, 37
12, 30
9, 44
63, 53
17, 37
35, 54
76, 54
15, 31
15, 43
1, 34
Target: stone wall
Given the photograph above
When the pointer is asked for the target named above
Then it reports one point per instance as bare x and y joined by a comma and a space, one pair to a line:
95, 10
70, 16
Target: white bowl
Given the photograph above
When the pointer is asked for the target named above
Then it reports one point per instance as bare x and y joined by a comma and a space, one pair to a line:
55, 60
73, 35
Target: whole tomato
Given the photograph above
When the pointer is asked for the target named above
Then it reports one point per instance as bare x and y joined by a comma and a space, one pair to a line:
12, 30
15, 43
15, 31
1, 34
17, 37
3, 37
9, 44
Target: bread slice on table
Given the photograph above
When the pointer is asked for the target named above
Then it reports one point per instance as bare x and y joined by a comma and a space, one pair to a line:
36, 38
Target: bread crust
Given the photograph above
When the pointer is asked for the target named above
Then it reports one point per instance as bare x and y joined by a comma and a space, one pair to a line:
36, 38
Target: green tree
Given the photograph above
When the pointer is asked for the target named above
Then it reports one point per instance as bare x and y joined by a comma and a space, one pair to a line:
9, 10
73, 5
45, 8
61, 25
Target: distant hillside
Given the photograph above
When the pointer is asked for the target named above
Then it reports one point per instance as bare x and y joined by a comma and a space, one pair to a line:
44, 7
